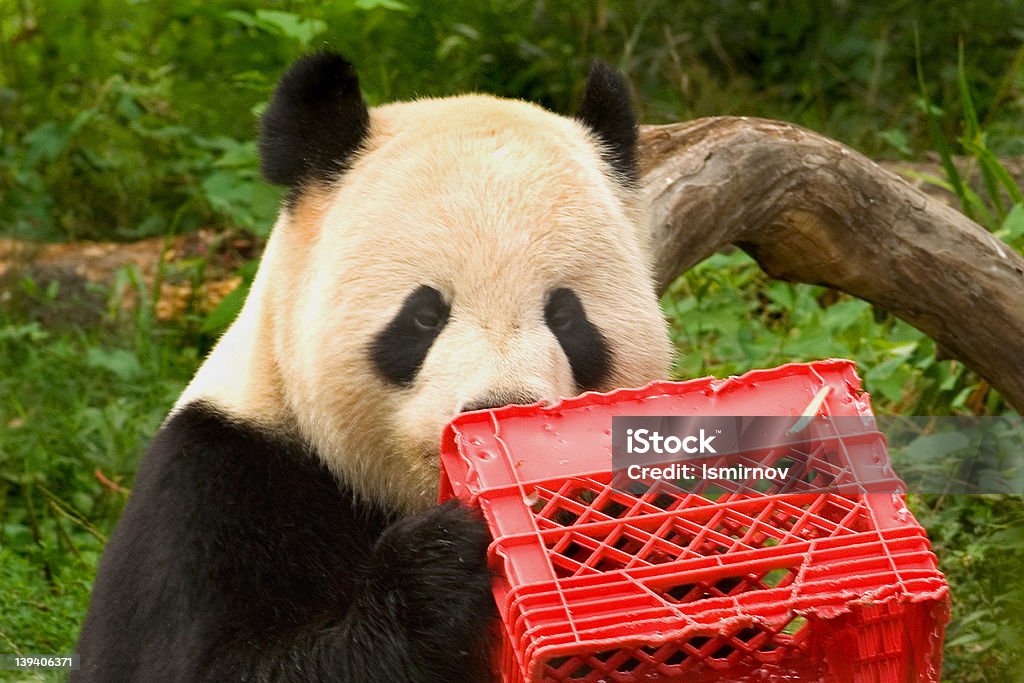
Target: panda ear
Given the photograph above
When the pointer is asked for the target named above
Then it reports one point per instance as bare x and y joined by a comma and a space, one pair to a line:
608, 111
315, 120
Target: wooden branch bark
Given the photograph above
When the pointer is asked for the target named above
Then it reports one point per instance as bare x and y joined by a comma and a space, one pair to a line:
809, 209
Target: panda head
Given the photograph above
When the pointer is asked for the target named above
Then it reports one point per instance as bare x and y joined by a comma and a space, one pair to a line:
434, 257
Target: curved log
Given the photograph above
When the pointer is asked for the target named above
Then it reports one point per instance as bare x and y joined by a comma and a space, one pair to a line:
809, 209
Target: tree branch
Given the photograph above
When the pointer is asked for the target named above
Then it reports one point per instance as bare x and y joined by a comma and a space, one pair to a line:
809, 209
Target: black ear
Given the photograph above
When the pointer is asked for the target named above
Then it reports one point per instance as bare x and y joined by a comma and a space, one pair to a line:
315, 121
608, 111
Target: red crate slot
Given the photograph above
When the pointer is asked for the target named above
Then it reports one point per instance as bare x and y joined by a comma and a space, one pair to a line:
654, 583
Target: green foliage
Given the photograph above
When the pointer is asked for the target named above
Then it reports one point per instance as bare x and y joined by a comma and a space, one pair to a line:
979, 541
999, 203
278, 23
76, 408
120, 120
221, 316
728, 317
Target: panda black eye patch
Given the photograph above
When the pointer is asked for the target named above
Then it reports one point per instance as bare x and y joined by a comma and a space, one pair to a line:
399, 349
583, 344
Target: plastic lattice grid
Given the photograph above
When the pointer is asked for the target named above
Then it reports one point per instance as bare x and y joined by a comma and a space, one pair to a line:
589, 527
731, 580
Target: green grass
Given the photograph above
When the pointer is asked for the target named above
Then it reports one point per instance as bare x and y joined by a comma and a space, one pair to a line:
979, 541
75, 405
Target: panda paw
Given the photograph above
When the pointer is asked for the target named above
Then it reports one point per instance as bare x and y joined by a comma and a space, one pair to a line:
433, 565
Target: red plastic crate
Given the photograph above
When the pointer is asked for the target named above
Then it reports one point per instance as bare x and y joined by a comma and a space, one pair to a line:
602, 584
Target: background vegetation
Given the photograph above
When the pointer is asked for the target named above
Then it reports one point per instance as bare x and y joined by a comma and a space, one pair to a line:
121, 120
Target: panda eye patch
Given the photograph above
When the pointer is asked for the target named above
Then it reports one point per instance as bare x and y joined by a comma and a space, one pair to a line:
399, 349
583, 344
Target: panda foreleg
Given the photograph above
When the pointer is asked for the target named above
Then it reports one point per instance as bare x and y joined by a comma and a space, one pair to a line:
422, 612
239, 557
426, 604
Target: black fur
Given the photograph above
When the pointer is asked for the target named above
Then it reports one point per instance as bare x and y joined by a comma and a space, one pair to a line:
399, 349
314, 123
607, 110
583, 344
240, 557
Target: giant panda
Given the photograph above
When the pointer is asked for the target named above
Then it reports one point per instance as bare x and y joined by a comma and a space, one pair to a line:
431, 257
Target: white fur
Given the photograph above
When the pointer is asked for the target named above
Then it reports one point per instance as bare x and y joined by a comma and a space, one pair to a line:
492, 202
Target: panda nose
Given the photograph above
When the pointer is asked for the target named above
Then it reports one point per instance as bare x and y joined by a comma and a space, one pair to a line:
495, 401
